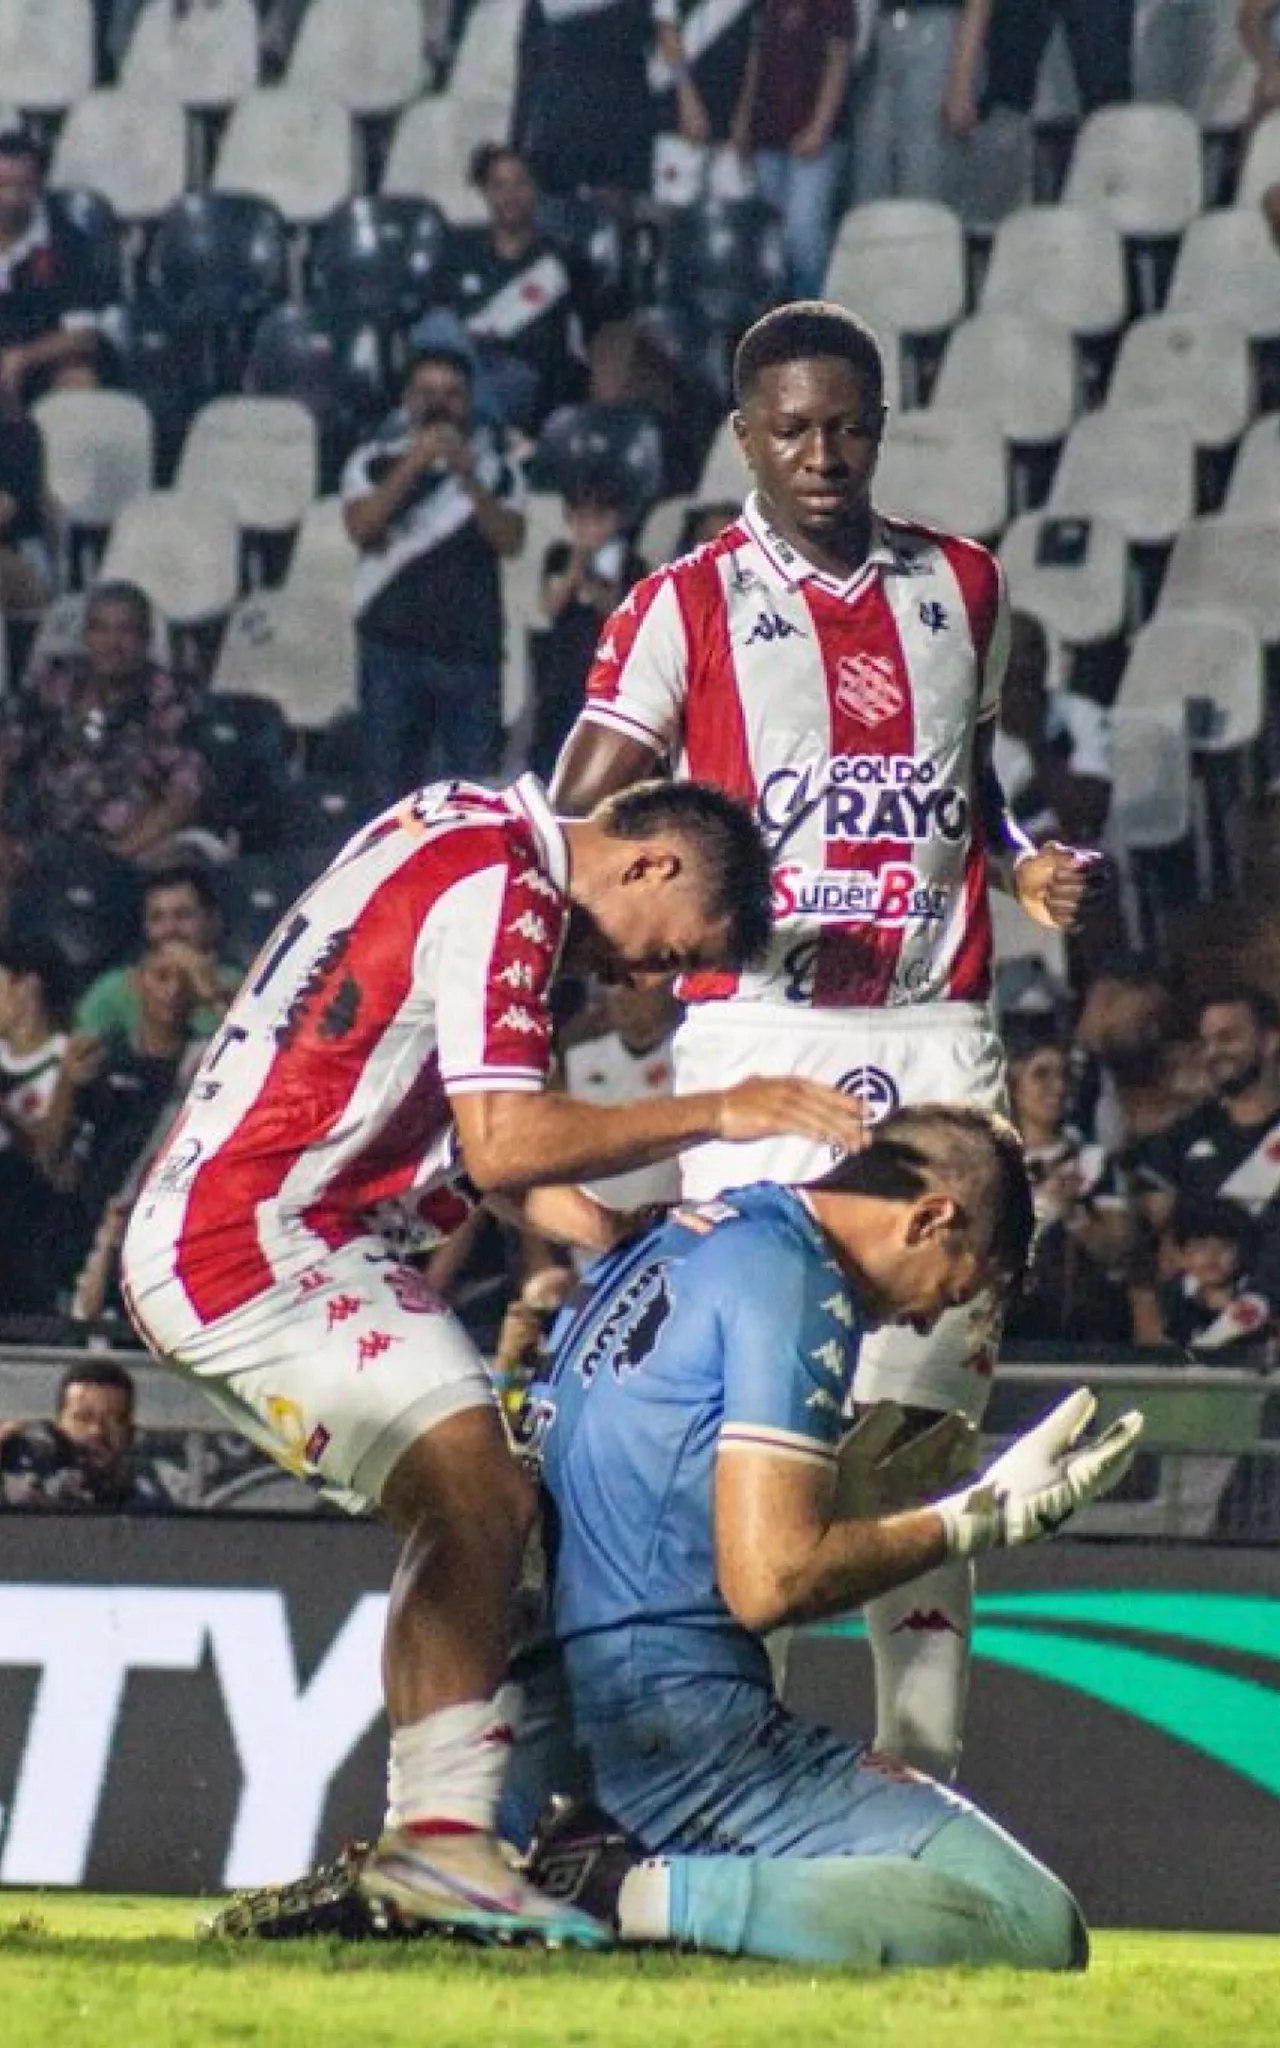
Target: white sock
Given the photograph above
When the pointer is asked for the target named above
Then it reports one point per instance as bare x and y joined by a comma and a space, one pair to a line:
449, 1766
920, 1640
644, 1902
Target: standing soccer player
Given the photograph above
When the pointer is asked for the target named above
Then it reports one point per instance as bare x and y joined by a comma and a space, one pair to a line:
840, 670
394, 1034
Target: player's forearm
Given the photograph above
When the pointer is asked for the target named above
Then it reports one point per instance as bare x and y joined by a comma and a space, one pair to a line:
516, 1141
851, 1563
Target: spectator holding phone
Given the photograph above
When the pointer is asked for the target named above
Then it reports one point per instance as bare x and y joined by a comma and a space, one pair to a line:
583, 578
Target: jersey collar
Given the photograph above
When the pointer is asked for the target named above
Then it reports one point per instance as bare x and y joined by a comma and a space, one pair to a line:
530, 799
792, 568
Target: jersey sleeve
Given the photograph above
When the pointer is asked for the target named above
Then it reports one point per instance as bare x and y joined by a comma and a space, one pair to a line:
639, 679
993, 656
491, 948
790, 1335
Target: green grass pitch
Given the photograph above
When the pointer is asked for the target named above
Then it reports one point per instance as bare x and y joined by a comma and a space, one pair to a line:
77, 1970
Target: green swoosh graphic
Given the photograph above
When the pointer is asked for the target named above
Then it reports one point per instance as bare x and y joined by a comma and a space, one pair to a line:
1234, 1720
1227, 1718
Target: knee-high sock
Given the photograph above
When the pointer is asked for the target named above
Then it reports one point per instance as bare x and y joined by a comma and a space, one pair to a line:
919, 1638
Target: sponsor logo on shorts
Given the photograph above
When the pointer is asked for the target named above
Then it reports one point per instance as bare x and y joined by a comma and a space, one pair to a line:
892, 897
874, 1089
317, 1444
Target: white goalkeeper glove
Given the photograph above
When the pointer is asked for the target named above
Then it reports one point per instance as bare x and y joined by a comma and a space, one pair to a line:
1039, 1482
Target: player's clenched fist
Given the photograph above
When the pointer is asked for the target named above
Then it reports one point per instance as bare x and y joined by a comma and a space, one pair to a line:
766, 1107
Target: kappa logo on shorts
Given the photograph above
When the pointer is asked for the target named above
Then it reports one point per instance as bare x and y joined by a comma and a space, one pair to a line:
343, 1307
868, 688
371, 1346
874, 1089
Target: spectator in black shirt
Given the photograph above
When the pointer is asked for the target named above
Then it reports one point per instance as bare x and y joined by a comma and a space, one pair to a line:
1227, 1149
85, 1457
49, 305
584, 578
514, 291
26, 571
1210, 1306
583, 117
433, 507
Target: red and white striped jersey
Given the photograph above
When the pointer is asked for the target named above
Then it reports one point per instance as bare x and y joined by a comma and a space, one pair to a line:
846, 714
416, 968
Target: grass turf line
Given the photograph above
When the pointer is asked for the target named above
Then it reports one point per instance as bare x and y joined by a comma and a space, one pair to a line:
77, 1969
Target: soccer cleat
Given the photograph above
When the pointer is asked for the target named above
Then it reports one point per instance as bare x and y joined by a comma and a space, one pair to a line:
462, 1884
578, 1853
325, 1901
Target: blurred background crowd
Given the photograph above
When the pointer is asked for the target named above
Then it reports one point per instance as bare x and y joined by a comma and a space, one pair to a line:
356, 360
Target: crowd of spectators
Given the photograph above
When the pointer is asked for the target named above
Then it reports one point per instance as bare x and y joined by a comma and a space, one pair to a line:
1154, 1134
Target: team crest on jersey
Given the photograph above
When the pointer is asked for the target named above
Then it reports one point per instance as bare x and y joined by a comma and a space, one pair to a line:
874, 1089
868, 688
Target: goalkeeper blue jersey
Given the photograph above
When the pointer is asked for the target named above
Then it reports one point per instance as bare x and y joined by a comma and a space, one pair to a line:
729, 1328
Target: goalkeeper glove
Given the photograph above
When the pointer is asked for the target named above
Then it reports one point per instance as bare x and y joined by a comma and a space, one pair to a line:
1039, 1482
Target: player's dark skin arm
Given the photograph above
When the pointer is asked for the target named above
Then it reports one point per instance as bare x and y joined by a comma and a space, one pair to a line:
597, 763
1054, 884
782, 1554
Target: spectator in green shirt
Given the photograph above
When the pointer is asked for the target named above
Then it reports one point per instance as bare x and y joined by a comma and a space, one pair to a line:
179, 907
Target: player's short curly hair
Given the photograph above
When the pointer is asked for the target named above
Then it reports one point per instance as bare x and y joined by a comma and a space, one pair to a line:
727, 845
974, 1155
809, 327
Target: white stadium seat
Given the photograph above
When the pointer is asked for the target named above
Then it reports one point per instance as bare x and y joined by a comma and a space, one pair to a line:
1192, 364
260, 453
298, 648
660, 534
900, 264
323, 557
204, 56
367, 54
485, 65
1212, 656
725, 477
1072, 573
294, 148
431, 148
1134, 468
130, 147
46, 53
947, 467
521, 588
1141, 166
1229, 266
1254, 489
1230, 563
99, 452
1014, 366
183, 550
1065, 263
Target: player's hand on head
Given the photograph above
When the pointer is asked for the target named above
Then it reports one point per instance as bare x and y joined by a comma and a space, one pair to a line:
1038, 1483
767, 1106
1057, 885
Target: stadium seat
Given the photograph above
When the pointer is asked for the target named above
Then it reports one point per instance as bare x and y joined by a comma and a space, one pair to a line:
724, 260
182, 549
249, 747
261, 888
1228, 266
83, 900
216, 263
1208, 659
368, 56
1151, 809
1192, 365
130, 148
660, 534
901, 263
46, 53
431, 148
521, 584
1141, 166
374, 259
321, 812
99, 452
295, 353
296, 648
1231, 564
1134, 468
1261, 166
1254, 489
323, 557
1025, 954
205, 56
1014, 366
260, 453
725, 477
1072, 573
617, 446
291, 147
946, 466
484, 67
1066, 263
105, 251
